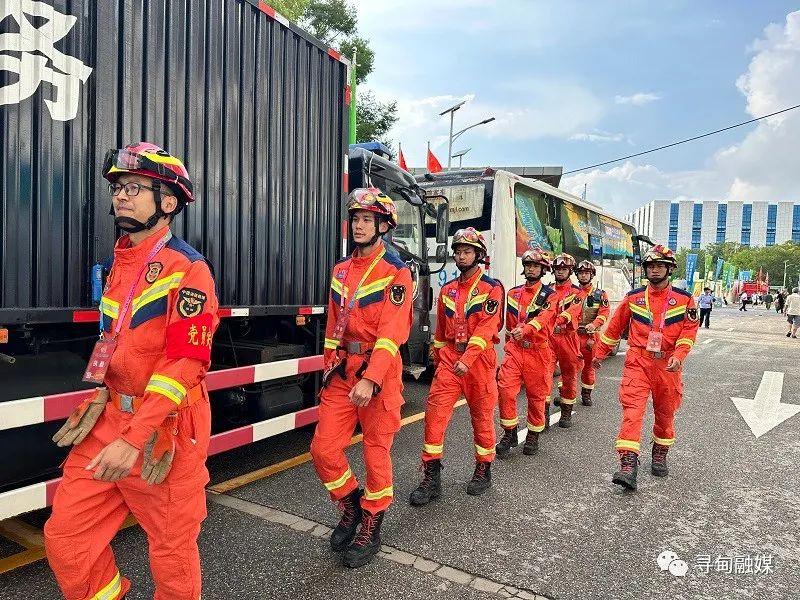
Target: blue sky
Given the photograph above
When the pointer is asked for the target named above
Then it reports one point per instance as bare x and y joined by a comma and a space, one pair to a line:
574, 83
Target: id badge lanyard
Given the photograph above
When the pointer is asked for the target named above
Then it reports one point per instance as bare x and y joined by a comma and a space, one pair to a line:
346, 307
104, 348
656, 336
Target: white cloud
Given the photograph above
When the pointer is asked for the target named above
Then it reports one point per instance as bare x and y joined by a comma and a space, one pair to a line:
597, 136
535, 110
763, 166
637, 99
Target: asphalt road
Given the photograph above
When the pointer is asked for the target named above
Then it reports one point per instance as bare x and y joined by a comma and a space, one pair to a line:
552, 525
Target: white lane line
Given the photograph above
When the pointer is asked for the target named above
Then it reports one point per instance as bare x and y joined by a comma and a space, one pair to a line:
708, 340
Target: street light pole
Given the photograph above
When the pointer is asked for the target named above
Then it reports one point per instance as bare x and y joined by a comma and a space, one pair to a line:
785, 264
452, 111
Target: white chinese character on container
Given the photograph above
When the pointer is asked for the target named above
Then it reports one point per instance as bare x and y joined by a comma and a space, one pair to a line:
32, 55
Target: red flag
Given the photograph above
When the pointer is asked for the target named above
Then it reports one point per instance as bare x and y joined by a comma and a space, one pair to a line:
434, 166
401, 160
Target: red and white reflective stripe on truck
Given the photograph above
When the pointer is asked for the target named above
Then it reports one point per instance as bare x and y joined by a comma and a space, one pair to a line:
40, 495
40, 409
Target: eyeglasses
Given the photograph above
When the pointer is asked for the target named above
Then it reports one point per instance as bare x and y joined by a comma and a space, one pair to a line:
131, 189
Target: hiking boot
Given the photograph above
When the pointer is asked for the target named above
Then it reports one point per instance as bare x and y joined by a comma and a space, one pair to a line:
368, 541
531, 446
629, 467
586, 396
345, 531
658, 466
508, 441
566, 416
481, 479
431, 485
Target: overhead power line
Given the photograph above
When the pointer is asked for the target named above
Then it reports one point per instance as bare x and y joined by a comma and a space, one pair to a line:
691, 139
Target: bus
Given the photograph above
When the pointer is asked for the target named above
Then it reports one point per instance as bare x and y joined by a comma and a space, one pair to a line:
516, 213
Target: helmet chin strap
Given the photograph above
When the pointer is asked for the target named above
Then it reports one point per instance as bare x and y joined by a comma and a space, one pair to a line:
130, 225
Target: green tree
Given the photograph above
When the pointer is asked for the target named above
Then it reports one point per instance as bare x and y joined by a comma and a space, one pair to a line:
335, 22
291, 9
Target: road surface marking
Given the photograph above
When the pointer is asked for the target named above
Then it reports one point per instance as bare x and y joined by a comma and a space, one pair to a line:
765, 411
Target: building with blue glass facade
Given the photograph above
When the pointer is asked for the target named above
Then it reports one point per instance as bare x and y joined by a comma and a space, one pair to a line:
694, 225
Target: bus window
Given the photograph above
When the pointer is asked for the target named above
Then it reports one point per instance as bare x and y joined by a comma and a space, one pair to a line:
536, 224
574, 225
618, 246
469, 206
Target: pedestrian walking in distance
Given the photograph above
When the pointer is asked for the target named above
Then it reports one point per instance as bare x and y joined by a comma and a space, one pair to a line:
706, 303
743, 298
793, 312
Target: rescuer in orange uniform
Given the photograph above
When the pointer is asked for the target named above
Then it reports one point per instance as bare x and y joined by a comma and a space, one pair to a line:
565, 342
663, 324
140, 443
594, 314
530, 315
469, 318
369, 318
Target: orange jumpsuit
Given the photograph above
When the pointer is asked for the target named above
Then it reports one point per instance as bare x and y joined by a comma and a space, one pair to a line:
645, 372
470, 315
595, 311
368, 347
566, 344
529, 361
156, 382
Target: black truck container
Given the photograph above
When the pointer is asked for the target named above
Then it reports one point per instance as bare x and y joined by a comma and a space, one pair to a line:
255, 107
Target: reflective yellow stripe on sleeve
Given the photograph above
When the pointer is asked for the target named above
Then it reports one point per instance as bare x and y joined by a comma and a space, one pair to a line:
331, 344
439, 344
535, 324
477, 341
607, 340
167, 387
386, 344
684, 342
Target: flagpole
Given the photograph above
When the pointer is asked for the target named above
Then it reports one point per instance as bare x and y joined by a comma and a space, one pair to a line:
426, 157
353, 123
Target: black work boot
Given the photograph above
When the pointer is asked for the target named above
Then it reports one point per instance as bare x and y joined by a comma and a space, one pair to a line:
566, 415
547, 414
557, 401
481, 479
350, 507
508, 441
431, 485
531, 446
658, 467
368, 541
629, 467
586, 396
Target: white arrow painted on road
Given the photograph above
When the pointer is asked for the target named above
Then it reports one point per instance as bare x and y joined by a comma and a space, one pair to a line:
765, 411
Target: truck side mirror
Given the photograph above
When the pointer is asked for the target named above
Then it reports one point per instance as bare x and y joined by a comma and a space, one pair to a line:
441, 253
442, 225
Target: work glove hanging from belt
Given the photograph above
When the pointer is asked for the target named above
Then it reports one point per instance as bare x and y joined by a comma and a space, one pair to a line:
82, 419
159, 451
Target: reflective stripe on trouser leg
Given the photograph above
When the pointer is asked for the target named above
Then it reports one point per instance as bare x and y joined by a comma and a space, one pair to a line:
509, 384
566, 354
667, 397
538, 381
445, 391
634, 391
337, 421
379, 425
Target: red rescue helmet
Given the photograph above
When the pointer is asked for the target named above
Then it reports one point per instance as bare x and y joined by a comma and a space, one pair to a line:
536, 256
469, 237
660, 254
586, 265
375, 201
144, 158
564, 260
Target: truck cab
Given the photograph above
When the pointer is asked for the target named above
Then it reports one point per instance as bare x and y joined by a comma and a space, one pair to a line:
370, 165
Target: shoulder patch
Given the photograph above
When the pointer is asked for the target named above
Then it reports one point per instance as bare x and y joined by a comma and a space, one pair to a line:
546, 289
190, 302
486, 279
178, 245
636, 291
682, 292
394, 260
